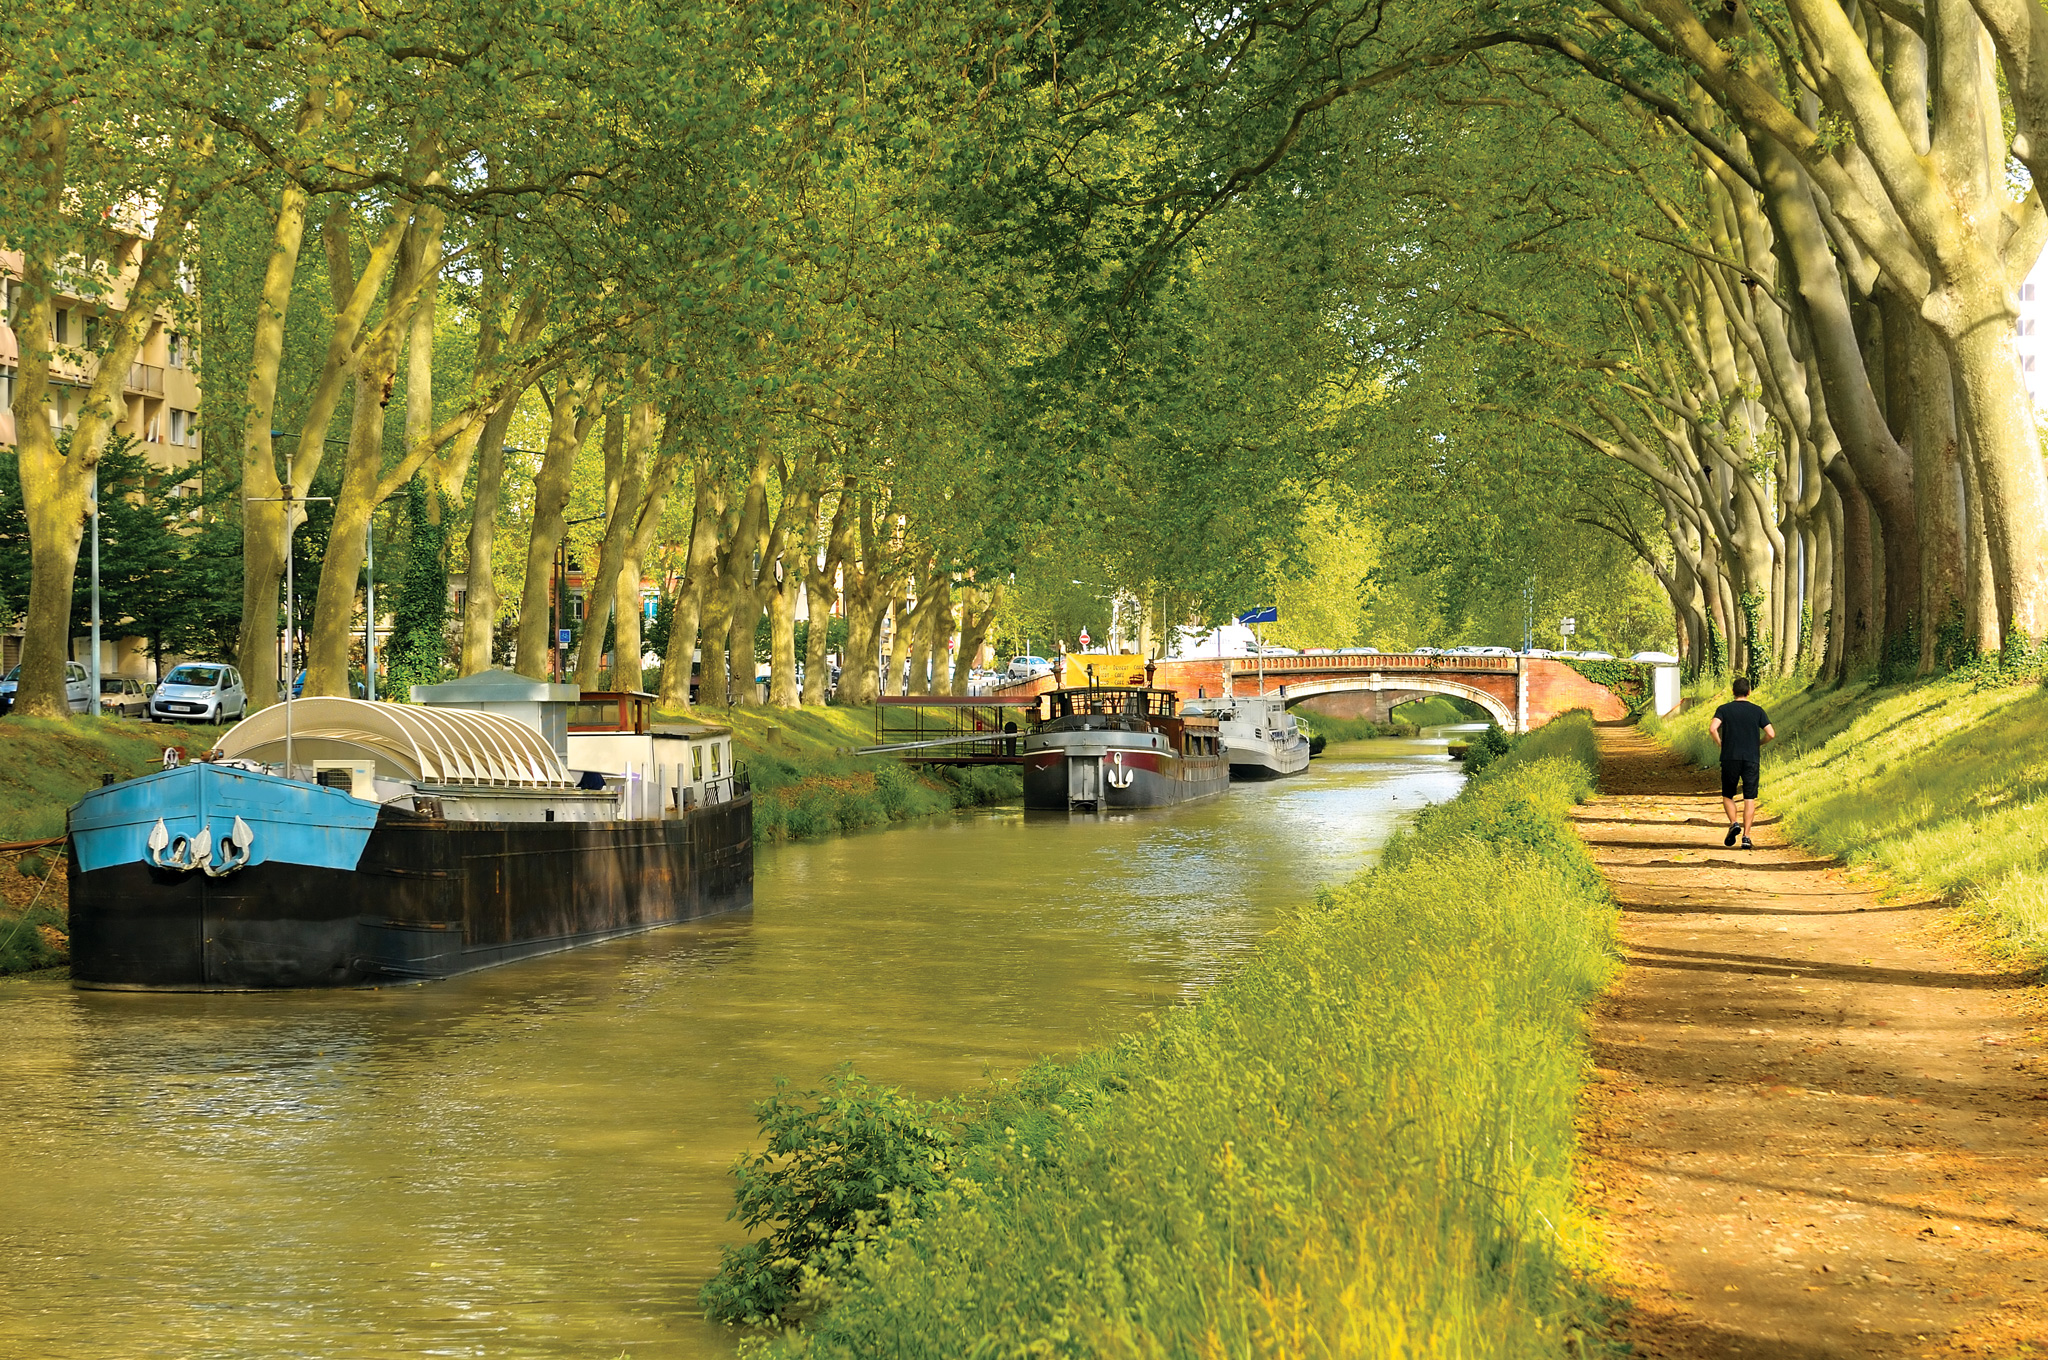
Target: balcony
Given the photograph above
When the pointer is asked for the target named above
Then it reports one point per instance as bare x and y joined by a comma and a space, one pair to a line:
147, 379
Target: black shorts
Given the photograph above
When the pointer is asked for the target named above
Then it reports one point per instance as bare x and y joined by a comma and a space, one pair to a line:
1743, 772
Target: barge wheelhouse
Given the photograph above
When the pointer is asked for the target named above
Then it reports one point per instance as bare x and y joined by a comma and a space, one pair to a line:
1118, 747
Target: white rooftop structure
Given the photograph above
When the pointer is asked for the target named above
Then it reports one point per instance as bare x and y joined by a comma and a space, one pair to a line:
408, 742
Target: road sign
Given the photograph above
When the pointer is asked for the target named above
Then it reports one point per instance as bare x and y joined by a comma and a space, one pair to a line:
1264, 614
1568, 627
1084, 639
564, 638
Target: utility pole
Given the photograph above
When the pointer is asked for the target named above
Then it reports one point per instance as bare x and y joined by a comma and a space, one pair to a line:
93, 701
370, 609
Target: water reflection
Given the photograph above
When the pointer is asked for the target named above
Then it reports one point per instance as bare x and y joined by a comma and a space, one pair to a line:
532, 1161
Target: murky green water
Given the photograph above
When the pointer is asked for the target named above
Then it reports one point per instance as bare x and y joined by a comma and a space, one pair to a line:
532, 1161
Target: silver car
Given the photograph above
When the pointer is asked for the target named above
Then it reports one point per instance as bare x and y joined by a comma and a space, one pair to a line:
77, 688
200, 691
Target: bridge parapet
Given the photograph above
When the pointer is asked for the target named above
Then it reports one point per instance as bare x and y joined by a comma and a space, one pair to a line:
1327, 662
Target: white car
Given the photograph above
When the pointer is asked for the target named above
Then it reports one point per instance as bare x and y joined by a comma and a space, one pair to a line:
1028, 667
77, 688
1596, 656
200, 691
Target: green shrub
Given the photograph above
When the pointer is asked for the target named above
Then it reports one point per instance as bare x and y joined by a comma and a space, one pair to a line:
839, 1164
34, 939
1489, 746
1359, 1144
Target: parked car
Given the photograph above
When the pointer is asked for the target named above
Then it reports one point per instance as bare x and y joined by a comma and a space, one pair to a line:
1028, 667
124, 696
200, 691
358, 686
77, 688
1596, 656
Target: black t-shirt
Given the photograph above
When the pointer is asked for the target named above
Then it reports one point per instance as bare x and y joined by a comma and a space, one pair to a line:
1742, 730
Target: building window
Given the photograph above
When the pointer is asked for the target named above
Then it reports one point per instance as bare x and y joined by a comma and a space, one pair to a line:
153, 431
461, 602
2027, 364
6, 389
177, 350
2027, 326
92, 330
8, 288
2026, 292
60, 328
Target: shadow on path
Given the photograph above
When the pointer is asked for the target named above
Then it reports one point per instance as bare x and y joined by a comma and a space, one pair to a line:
1814, 1131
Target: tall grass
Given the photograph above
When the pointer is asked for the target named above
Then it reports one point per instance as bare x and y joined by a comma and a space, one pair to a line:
1943, 784
1359, 1145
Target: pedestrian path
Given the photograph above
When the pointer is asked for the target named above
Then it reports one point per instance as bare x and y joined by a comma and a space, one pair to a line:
1817, 1126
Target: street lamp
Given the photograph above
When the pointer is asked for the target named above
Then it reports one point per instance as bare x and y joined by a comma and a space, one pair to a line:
95, 697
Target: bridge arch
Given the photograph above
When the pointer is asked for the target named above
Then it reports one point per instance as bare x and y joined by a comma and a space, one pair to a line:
1406, 684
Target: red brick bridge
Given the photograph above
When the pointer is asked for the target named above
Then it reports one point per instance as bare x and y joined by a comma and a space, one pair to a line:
1519, 692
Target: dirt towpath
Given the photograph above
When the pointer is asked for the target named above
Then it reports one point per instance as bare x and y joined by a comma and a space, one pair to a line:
1816, 1128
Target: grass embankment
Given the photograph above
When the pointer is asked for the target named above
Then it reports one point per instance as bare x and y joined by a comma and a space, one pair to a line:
45, 767
1942, 784
804, 785
1361, 1144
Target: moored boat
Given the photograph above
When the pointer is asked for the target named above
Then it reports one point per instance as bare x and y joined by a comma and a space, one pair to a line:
1259, 735
356, 843
1119, 747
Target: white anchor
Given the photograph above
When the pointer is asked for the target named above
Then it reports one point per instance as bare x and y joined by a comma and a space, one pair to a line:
182, 853
1120, 776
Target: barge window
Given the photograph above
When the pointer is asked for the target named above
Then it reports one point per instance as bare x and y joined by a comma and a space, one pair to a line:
696, 764
714, 760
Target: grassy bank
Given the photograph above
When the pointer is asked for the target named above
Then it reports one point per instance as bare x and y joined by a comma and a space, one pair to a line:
45, 767
1360, 1144
805, 786
1943, 784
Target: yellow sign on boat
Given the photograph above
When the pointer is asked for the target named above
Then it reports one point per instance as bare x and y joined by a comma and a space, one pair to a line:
1110, 669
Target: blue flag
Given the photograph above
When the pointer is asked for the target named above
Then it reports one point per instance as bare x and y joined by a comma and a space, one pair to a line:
1267, 614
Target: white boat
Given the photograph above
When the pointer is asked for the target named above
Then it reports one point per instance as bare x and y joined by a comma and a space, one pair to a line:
1259, 735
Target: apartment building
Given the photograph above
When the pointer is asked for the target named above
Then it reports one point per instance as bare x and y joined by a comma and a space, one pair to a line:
161, 394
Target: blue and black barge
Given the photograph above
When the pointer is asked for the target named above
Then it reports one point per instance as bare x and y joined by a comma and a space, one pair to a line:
349, 843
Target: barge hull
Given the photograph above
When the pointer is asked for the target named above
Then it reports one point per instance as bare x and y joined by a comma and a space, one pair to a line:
428, 899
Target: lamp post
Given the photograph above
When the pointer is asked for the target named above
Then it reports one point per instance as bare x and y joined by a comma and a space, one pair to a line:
370, 609
291, 613
94, 699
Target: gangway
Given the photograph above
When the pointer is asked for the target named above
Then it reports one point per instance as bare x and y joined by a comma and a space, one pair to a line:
950, 729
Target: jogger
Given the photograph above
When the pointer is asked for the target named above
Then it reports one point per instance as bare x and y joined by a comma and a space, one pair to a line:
1740, 728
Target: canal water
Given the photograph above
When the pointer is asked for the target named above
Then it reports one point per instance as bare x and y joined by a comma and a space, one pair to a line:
533, 1161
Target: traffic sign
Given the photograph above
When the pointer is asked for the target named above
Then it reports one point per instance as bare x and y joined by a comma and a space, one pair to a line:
565, 638
1568, 627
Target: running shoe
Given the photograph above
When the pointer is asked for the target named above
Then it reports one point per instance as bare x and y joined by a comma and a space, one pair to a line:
1748, 844
1733, 832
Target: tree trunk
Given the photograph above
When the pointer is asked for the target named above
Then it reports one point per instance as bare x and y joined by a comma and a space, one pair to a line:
341, 566
782, 688
820, 579
697, 565
626, 453
577, 399
480, 586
